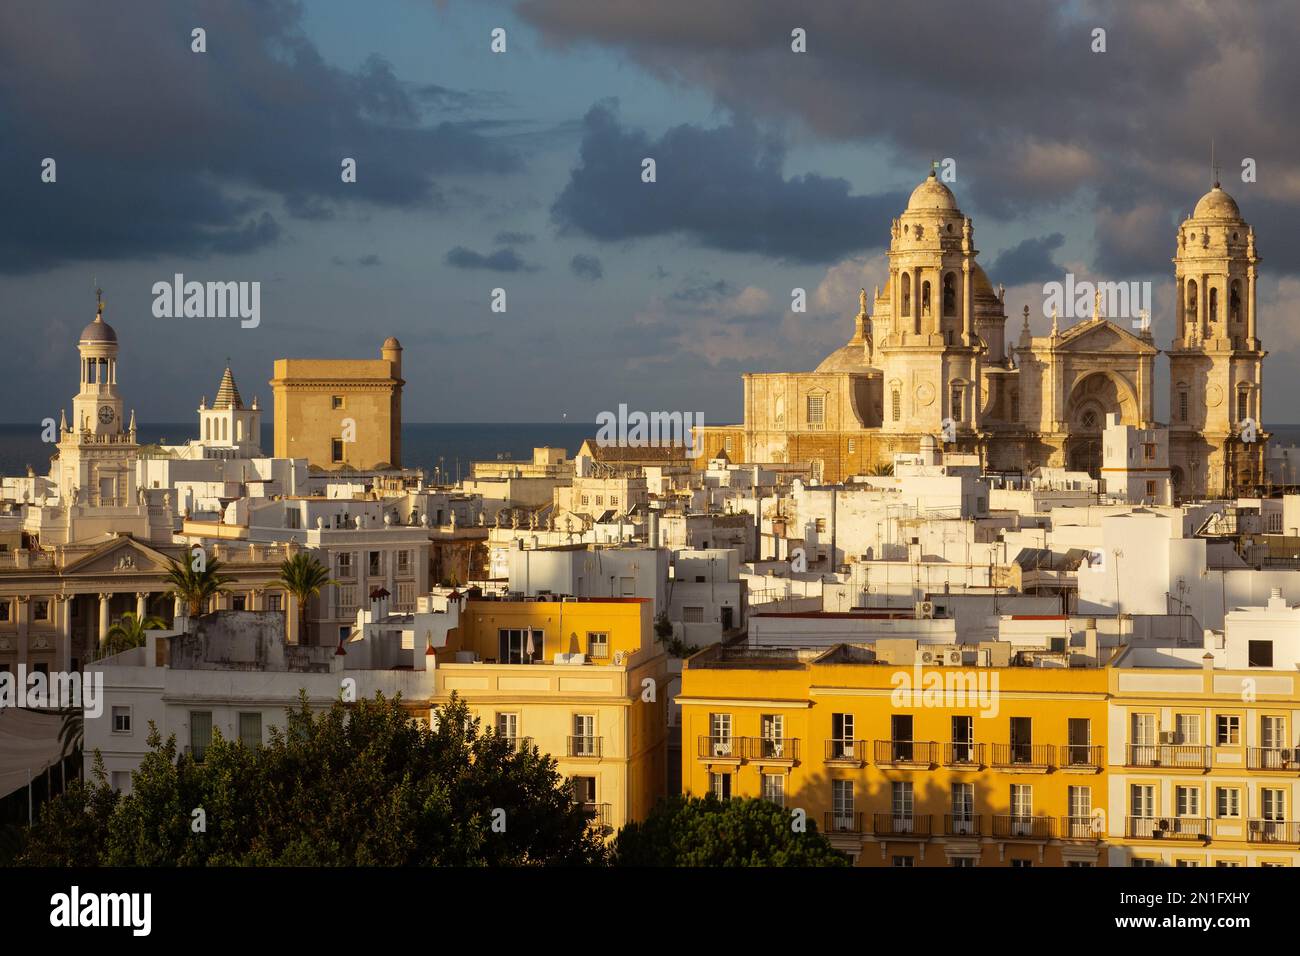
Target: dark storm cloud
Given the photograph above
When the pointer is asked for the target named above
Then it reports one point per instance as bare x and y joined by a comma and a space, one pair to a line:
723, 188
586, 267
503, 260
161, 150
1011, 90
1028, 261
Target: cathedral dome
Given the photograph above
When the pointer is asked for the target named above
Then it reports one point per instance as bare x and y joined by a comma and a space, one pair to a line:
846, 358
98, 331
932, 194
1216, 204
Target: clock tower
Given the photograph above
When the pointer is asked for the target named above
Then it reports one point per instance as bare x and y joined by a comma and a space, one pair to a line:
96, 463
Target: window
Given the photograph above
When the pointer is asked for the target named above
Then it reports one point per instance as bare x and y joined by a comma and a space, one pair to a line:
853, 444
774, 788
336, 401
963, 807
720, 785
200, 732
963, 739
1079, 733
842, 805
1182, 406
1272, 734
1022, 863
1243, 404
693, 615
1151, 489
1022, 800
901, 799
900, 736
902, 861
275, 602
1142, 802
773, 739
613, 499
962, 861
955, 403
4, 611
1259, 653
1272, 804
727, 443
1022, 740
121, 720
584, 789
1148, 451
347, 597
1141, 863
508, 726
1229, 730
250, 728
816, 409
720, 735
345, 564
1187, 801
1188, 729
1142, 731
1080, 803
239, 602
521, 646
584, 735
336, 450
842, 737
403, 562
597, 645
376, 563
120, 780
895, 405
40, 610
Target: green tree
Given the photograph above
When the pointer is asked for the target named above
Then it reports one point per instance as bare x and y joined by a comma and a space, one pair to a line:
71, 828
195, 588
129, 632
693, 831
353, 785
303, 576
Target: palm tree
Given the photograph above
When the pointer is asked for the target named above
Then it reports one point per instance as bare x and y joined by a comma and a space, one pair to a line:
882, 470
129, 632
303, 576
195, 588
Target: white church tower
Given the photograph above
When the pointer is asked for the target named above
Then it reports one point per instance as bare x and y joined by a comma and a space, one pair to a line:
227, 427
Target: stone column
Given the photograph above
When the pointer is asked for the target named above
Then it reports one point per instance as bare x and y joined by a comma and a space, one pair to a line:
62, 610
967, 313
1251, 342
102, 636
1180, 311
24, 607
141, 600
1203, 306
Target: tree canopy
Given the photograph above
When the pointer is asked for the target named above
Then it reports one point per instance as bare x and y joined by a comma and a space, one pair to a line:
354, 785
694, 831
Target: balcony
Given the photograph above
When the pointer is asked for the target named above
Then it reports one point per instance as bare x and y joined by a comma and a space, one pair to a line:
584, 746
1169, 756
722, 750
963, 756
1013, 827
1033, 758
848, 753
917, 755
1080, 758
600, 817
783, 751
904, 826
1273, 831
1167, 828
962, 824
1079, 828
1273, 758
843, 822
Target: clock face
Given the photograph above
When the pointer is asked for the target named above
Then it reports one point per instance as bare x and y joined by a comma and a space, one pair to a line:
105, 414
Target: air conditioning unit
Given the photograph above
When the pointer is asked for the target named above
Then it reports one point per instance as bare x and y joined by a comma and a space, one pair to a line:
618, 658
954, 655
924, 610
1168, 737
927, 657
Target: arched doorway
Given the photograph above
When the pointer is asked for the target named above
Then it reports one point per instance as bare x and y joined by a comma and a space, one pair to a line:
1093, 397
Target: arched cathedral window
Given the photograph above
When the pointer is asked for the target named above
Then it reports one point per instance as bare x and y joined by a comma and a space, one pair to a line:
949, 294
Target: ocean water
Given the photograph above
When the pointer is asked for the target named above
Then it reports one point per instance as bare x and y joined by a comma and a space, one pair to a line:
451, 446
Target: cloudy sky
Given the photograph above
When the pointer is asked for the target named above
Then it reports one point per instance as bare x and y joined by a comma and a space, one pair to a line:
522, 171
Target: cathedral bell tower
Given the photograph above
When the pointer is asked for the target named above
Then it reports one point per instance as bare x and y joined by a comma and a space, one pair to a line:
1215, 360
929, 347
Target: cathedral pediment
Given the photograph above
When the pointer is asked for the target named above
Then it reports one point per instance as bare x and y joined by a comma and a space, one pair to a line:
1102, 335
120, 556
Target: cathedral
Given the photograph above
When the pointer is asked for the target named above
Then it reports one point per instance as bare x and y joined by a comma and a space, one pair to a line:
931, 355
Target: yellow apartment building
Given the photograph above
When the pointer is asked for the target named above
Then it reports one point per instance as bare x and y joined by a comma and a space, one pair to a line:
583, 680
1204, 768
904, 761
337, 412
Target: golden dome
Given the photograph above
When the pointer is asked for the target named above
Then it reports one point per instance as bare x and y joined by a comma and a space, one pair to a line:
1216, 204
932, 194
